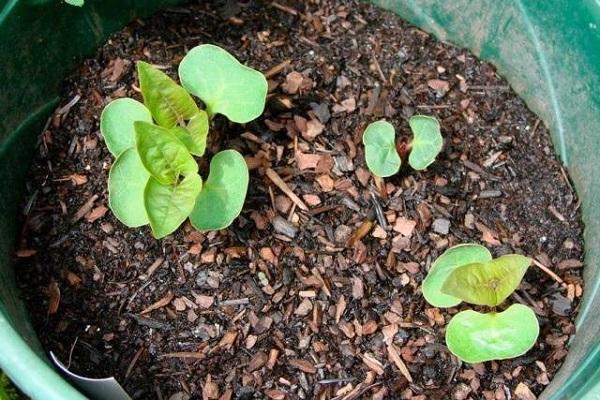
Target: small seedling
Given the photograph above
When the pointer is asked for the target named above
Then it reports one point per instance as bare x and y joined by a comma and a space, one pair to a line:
154, 179
381, 149
469, 273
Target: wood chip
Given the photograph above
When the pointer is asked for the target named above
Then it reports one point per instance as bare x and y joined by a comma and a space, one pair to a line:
571, 263
439, 85
53, 297
304, 308
360, 233
96, 213
159, 304
277, 69
257, 361
307, 161
276, 179
395, 357
404, 226
85, 208
340, 307
373, 364
25, 253
303, 365
522, 392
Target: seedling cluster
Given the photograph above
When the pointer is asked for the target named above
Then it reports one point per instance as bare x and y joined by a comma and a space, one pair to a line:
381, 150
468, 273
154, 179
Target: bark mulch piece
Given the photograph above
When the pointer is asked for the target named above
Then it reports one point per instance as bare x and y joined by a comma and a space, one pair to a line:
314, 291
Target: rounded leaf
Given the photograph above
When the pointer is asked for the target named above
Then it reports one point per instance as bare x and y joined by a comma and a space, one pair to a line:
474, 337
169, 205
126, 182
488, 283
427, 141
222, 198
380, 149
451, 259
116, 123
224, 84
162, 154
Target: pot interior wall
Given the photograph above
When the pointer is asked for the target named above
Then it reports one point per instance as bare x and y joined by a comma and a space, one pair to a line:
548, 51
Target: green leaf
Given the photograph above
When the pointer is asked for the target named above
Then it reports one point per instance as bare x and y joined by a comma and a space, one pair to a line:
488, 283
222, 198
126, 183
169, 205
427, 141
474, 337
169, 103
194, 134
162, 154
451, 259
380, 149
116, 123
77, 3
224, 84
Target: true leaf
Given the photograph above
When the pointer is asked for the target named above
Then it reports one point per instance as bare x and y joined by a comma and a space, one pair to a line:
474, 337
169, 103
116, 123
222, 198
488, 283
380, 149
224, 84
451, 259
126, 182
169, 205
427, 141
162, 154
77, 3
171, 106
194, 134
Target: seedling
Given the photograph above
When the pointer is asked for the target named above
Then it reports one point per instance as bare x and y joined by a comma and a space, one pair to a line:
468, 273
154, 178
381, 149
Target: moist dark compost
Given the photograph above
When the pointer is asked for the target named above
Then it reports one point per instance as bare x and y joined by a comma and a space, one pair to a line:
314, 291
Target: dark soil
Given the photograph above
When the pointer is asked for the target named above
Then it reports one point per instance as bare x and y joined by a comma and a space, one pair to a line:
289, 303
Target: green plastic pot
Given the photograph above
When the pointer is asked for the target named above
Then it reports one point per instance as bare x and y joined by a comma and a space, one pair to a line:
549, 50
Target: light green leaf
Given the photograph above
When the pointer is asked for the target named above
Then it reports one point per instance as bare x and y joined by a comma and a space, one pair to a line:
116, 123
380, 149
169, 205
126, 182
194, 134
77, 3
162, 154
488, 283
427, 141
224, 84
169, 103
451, 259
222, 198
474, 337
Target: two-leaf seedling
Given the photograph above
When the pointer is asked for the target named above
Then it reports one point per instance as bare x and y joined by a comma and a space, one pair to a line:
381, 152
468, 273
154, 179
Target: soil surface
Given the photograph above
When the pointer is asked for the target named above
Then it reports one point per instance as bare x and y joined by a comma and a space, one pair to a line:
315, 297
